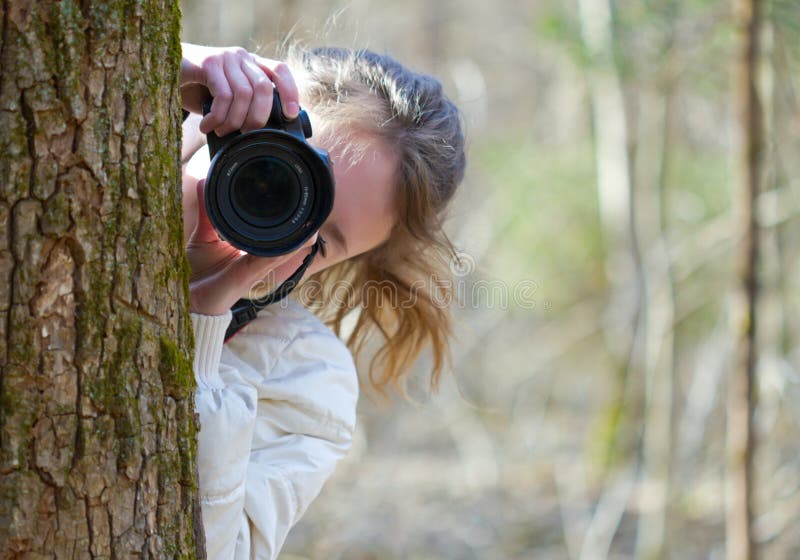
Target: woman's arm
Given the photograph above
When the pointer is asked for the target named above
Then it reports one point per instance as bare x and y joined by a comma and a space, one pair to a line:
227, 414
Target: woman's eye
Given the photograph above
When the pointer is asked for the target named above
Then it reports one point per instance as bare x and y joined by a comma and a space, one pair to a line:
334, 235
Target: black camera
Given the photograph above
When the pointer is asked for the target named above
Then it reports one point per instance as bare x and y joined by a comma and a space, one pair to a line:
268, 190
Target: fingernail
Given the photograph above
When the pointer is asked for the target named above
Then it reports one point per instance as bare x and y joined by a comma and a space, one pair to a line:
292, 109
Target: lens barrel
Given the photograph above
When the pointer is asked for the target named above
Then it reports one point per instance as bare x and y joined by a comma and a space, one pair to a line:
268, 190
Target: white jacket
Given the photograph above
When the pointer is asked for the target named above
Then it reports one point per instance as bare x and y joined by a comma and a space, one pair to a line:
277, 408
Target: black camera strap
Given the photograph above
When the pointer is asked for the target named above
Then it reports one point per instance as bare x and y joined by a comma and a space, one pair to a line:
245, 310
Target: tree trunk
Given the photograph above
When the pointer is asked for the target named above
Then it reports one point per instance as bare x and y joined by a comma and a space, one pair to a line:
741, 397
659, 364
624, 270
96, 410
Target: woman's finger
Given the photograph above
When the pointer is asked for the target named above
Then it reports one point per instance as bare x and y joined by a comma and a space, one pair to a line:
281, 76
217, 84
242, 95
261, 104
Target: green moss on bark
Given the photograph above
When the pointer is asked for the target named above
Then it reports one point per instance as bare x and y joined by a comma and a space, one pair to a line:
177, 375
56, 220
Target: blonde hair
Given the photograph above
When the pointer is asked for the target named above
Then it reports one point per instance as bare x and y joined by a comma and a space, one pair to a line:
402, 287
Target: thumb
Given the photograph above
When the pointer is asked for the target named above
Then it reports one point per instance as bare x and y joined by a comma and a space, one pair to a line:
204, 232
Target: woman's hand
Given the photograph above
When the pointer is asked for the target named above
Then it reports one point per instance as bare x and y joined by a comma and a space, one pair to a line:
241, 84
221, 274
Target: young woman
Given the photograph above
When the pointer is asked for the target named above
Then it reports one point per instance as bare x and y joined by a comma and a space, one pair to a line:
277, 402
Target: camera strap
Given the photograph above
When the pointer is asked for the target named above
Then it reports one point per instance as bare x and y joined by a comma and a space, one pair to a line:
245, 310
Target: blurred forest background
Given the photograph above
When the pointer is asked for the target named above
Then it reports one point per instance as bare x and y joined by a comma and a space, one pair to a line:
599, 225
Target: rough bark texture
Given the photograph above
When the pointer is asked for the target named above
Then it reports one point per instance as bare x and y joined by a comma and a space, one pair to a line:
96, 411
741, 396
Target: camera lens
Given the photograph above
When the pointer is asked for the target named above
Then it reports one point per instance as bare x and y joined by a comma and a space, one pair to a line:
268, 191
265, 191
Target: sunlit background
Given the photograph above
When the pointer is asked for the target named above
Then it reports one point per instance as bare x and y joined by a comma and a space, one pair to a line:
598, 225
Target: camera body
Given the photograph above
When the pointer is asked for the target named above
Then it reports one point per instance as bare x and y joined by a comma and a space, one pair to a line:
268, 190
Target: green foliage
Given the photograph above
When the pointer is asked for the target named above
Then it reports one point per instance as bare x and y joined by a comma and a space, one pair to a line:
559, 26
607, 446
697, 188
547, 225
784, 16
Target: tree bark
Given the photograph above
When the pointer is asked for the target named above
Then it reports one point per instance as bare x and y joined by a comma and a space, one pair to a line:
741, 397
96, 410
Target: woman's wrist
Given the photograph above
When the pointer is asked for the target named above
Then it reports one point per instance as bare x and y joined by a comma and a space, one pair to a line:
209, 336
202, 306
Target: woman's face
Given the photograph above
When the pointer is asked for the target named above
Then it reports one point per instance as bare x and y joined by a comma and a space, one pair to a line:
363, 210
